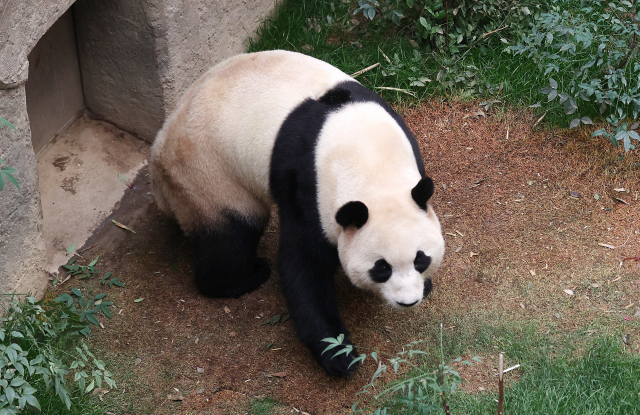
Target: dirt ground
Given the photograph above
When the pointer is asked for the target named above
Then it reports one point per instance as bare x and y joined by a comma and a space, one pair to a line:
522, 225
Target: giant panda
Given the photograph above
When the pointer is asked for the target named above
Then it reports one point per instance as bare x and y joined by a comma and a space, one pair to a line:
342, 166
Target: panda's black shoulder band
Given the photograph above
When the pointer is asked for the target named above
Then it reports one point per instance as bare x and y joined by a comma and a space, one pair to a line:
336, 96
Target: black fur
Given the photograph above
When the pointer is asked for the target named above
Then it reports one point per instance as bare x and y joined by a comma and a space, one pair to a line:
422, 262
422, 192
381, 271
225, 259
352, 213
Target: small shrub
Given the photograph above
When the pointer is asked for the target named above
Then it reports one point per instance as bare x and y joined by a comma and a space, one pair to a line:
41, 343
592, 52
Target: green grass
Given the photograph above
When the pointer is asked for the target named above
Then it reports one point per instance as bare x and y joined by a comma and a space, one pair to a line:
561, 373
263, 406
52, 405
604, 381
302, 25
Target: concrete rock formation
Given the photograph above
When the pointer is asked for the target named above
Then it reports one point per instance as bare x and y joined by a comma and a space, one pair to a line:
135, 58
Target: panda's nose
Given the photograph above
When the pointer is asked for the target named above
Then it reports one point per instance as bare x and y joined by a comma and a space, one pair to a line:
407, 305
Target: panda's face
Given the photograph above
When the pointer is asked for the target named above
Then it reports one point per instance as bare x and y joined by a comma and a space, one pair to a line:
394, 253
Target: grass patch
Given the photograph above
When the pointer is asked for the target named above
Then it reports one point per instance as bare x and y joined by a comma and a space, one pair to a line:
303, 26
604, 381
264, 406
560, 373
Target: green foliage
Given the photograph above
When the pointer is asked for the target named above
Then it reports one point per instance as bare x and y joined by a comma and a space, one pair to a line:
593, 51
451, 26
422, 391
41, 344
7, 172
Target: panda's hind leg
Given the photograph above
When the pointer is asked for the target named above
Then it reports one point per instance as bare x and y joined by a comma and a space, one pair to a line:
225, 258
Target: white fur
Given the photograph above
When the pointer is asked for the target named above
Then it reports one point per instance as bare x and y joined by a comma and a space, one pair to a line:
206, 143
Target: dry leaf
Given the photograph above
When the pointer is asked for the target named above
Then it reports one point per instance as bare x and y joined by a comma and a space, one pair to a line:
458, 249
200, 369
175, 397
626, 339
637, 314
607, 245
522, 306
532, 272
575, 194
200, 391
388, 329
595, 285
226, 310
568, 291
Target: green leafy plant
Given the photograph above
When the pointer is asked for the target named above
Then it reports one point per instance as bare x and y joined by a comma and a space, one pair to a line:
41, 349
7, 172
594, 52
417, 391
452, 26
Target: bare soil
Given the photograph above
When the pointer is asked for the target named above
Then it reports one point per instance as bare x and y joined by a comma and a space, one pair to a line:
521, 225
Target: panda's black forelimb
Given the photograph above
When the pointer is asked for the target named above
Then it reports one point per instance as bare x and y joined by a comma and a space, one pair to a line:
225, 258
307, 264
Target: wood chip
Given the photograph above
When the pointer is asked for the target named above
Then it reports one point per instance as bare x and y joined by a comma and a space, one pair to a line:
175, 397
532, 272
628, 306
277, 375
459, 233
607, 245
458, 249
622, 201
522, 306
200, 369
620, 189
472, 254
575, 194
616, 279
226, 310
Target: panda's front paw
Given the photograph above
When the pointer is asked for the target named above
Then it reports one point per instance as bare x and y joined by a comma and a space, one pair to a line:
340, 365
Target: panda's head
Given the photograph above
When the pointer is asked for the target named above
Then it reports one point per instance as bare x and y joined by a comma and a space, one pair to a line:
392, 245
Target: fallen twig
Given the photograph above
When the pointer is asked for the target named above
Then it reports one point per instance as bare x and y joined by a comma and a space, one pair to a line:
86, 249
367, 69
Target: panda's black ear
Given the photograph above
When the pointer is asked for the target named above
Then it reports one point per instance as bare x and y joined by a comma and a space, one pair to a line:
352, 213
423, 192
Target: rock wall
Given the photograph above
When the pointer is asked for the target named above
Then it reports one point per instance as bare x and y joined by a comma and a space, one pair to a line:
136, 58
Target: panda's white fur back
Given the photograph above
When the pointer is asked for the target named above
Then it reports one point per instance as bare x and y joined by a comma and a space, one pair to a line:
205, 143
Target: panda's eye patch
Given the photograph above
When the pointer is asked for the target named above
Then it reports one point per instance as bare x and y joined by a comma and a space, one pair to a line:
422, 262
381, 271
